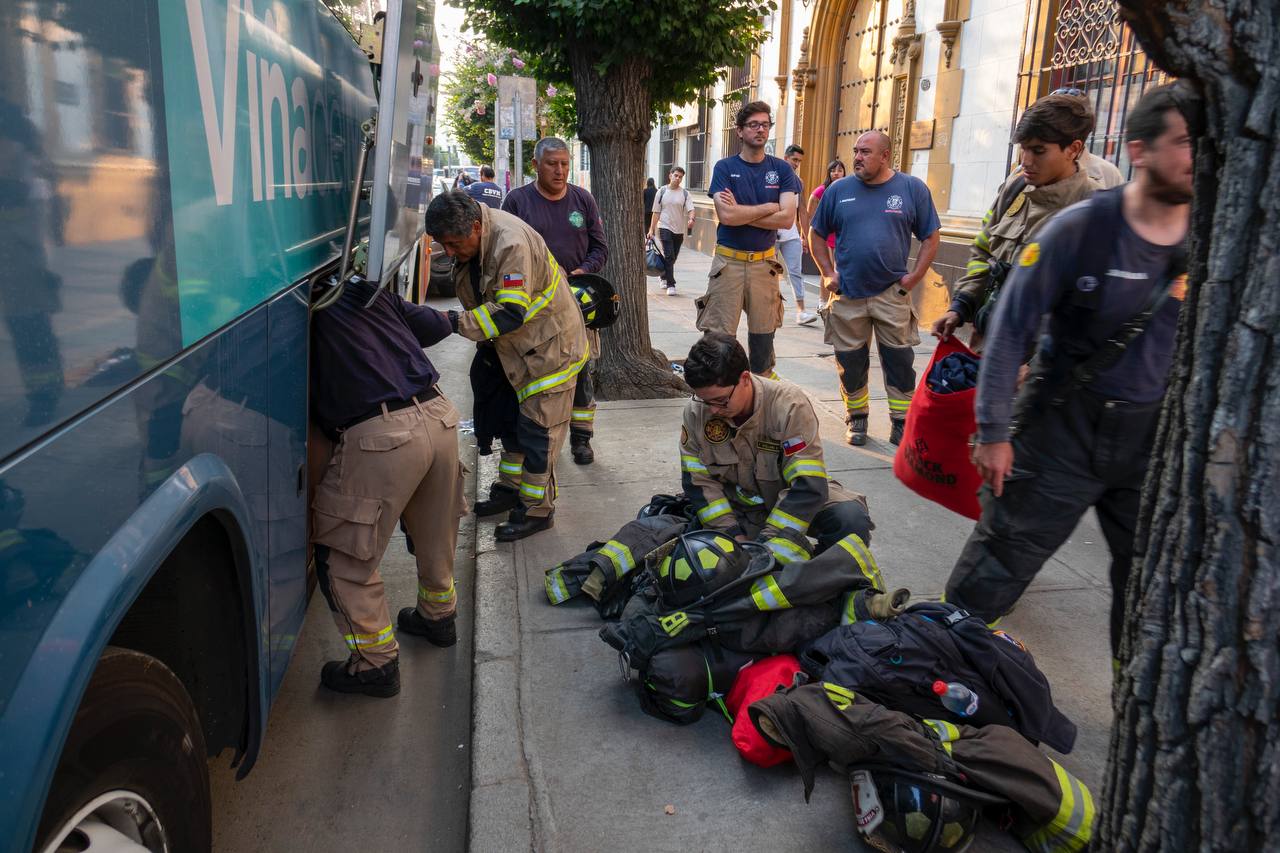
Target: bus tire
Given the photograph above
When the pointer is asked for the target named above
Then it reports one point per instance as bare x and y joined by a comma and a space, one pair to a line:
133, 764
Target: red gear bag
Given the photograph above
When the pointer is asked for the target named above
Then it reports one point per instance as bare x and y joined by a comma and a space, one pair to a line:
757, 681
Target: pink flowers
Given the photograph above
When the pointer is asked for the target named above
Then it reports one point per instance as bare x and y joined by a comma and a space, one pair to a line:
552, 91
491, 79
517, 62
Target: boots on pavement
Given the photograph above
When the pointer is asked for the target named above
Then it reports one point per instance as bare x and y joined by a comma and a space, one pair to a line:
441, 632
502, 498
580, 446
520, 524
856, 434
381, 683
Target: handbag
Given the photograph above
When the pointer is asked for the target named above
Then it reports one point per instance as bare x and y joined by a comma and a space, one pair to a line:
654, 263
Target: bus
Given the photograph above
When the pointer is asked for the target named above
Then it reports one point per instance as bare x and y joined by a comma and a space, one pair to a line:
175, 179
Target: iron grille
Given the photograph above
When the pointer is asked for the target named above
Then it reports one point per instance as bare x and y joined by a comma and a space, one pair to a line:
666, 150
733, 102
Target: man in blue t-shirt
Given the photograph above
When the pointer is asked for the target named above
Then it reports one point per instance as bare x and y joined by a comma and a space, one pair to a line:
873, 214
485, 190
755, 195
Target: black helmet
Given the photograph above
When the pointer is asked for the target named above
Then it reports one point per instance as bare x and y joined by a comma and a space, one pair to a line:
597, 299
916, 812
700, 563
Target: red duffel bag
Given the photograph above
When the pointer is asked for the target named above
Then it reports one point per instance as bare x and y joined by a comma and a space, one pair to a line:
934, 458
757, 681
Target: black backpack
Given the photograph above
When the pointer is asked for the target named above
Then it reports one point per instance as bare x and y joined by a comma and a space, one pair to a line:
895, 662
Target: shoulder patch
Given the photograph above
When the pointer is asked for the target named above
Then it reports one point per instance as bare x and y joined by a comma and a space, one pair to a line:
1017, 204
794, 445
514, 279
716, 431
768, 446
1030, 255
684, 436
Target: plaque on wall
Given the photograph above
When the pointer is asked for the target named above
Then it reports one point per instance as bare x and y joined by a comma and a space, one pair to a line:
921, 134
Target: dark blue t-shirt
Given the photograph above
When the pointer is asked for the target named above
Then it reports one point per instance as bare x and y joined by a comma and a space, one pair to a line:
751, 183
486, 192
873, 224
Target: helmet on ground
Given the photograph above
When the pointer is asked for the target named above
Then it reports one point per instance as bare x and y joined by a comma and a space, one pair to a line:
916, 812
597, 299
699, 563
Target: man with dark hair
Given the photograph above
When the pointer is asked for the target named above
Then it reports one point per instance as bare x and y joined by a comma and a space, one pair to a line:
1103, 172
672, 217
1051, 135
751, 459
517, 297
755, 194
791, 240
569, 221
1105, 280
873, 213
485, 190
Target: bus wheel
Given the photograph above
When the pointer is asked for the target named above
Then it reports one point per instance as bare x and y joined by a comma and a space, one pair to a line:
133, 774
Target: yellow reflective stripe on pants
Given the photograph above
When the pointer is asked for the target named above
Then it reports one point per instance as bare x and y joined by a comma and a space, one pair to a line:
804, 468
947, 733
767, 595
692, 465
778, 518
487, 325
530, 490
584, 415
1072, 827
513, 469
898, 406
544, 298
786, 551
865, 559
557, 592
714, 510
619, 555
546, 383
857, 402
440, 596
359, 641
841, 697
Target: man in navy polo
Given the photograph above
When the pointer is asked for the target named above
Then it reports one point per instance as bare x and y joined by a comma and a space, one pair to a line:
755, 195
873, 214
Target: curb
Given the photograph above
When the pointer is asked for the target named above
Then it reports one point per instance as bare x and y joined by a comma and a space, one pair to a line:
501, 795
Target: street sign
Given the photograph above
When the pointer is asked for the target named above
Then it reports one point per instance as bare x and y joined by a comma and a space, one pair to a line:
509, 89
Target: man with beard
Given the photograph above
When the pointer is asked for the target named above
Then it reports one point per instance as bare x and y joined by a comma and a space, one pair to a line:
1107, 278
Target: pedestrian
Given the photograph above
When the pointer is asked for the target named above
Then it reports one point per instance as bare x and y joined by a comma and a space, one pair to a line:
517, 297
1104, 173
835, 171
1051, 136
568, 220
752, 462
873, 214
1081, 431
650, 190
485, 190
374, 394
791, 241
755, 194
670, 220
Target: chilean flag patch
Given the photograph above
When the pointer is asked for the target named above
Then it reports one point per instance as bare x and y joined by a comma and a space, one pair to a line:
792, 446
513, 280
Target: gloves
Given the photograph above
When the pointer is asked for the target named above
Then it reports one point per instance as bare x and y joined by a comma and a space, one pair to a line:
453, 320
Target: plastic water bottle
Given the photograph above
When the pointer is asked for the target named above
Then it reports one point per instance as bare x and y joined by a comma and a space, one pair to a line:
957, 698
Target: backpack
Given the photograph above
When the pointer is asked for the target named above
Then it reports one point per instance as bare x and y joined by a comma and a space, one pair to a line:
895, 662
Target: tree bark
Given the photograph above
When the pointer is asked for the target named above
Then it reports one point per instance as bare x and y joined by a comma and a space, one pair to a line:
614, 111
1194, 760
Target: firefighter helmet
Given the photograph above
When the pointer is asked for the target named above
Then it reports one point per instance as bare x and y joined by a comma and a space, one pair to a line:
700, 563
597, 299
906, 812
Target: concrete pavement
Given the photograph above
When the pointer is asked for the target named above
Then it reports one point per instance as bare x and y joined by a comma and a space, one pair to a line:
563, 758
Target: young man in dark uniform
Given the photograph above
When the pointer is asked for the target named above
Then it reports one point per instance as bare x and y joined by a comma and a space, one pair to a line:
374, 394
1081, 442
569, 221
485, 190
755, 195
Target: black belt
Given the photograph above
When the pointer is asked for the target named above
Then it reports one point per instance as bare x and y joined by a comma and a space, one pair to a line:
392, 406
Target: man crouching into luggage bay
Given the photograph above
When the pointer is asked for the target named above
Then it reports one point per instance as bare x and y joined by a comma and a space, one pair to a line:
517, 297
751, 459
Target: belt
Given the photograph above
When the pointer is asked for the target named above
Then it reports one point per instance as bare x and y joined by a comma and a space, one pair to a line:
392, 406
749, 257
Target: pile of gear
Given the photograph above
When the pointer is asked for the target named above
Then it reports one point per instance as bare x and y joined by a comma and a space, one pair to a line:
815, 661
955, 372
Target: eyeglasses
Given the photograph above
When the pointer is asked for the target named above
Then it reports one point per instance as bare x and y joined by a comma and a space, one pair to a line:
757, 125
719, 403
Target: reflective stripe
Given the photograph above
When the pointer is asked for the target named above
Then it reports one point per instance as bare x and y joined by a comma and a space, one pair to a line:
619, 555
692, 464
584, 414
746, 497
982, 242
778, 518
786, 551
857, 402
557, 592
529, 490
1072, 827
773, 374
546, 383
767, 595
865, 559
437, 596
514, 297
850, 614
356, 641
714, 510
544, 298
487, 325
898, 404
511, 468
712, 695
986, 220
977, 267
841, 697
804, 468
946, 732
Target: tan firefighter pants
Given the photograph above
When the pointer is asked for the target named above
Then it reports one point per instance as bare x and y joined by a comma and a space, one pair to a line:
400, 464
542, 426
735, 286
849, 324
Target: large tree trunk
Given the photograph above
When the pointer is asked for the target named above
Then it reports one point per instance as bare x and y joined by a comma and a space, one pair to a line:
1195, 750
613, 120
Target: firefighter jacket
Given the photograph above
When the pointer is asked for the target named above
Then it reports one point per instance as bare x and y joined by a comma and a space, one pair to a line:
516, 294
1016, 214
828, 724
764, 478
780, 607
601, 567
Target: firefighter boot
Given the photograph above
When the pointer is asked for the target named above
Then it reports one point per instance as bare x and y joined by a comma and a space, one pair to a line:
502, 498
580, 445
520, 524
382, 683
895, 432
856, 434
441, 632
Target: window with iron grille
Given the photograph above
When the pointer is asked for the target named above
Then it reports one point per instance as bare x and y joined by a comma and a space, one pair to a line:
1083, 44
740, 75
733, 102
666, 151
698, 175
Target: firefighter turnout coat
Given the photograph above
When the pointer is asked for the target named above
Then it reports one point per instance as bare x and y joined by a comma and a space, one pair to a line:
516, 295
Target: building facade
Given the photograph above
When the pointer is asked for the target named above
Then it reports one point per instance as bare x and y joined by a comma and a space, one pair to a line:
946, 79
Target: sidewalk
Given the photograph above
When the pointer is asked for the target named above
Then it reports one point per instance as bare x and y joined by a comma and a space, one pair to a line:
564, 760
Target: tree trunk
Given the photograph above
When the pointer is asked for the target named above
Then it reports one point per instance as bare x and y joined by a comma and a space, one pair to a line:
613, 120
1195, 750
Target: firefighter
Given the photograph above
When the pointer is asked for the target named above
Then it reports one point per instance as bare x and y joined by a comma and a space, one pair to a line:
374, 395
1051, 134
1108, 273
751, 459
517, 296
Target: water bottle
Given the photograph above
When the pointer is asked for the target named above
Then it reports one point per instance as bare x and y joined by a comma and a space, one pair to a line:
956, 698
